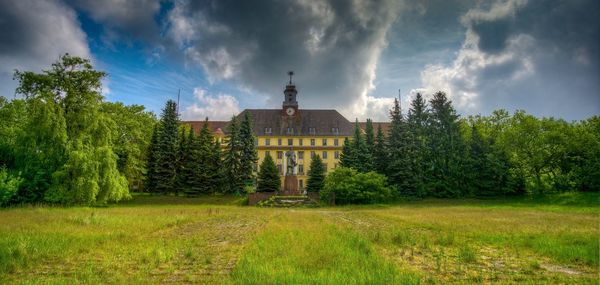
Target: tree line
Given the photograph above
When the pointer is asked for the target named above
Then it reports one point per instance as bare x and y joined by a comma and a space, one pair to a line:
431, 151
181, 161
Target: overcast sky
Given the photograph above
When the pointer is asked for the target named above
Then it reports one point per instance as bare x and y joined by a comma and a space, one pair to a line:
353, 56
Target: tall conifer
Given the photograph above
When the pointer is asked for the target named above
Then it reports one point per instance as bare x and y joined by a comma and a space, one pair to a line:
380, 155
152, 160
233, 158
249, 156
167, 148
268, 176
316, 175
401, 154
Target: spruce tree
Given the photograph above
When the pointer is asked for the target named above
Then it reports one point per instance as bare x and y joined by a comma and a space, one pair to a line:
370, 143
204, 154
358, 157
151, 163
446, 147
347, 157
167, 148
268, 176
192, 182
401, 154
233, 158
216, 169
417, 125
316, 175
183, 162
249, 155
380, 155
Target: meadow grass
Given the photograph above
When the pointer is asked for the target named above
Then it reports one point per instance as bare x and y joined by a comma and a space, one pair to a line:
214, 240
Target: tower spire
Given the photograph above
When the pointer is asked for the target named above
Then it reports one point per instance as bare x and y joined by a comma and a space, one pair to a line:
290, 73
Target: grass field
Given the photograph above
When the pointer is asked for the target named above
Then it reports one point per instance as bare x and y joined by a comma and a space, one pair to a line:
214, 240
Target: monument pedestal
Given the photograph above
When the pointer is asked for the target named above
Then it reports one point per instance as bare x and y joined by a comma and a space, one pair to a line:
290, 186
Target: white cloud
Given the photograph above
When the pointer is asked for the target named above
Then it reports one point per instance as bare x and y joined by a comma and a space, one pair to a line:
35, 34
215, 107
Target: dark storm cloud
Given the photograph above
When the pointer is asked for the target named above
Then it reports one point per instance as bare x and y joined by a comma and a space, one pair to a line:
34, 34
541, 56
333, 46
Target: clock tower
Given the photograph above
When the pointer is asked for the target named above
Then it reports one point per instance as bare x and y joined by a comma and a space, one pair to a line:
290, 105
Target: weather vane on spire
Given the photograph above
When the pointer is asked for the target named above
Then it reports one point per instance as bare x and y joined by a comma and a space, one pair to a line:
290, 73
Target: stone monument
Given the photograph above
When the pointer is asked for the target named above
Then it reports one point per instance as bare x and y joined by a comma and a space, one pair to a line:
290, 185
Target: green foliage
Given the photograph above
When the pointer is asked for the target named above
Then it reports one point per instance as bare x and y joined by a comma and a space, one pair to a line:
355, 154
167, 154
233, 158
349, 186
66, 151
9, 185
132, 140
401, 153
380, 153
249, 155
316, 175
268, 176
151, 178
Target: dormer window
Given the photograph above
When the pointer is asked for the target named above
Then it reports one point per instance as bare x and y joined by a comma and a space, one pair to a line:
290, 131
268, 130
312, 131
335, 131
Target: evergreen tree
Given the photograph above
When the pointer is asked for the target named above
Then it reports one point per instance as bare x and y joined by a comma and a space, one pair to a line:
268, 176
192, 184
347, 157
166, 170
380, 155
249, 155
216, 169
370, 143
205, 156
316, 175
233, 158
183, 162
446, 149
401, 154
360, 150
417, 124
152, 159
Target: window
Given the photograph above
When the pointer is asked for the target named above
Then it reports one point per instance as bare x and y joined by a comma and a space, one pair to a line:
312, 154
336, 154
324, 155
268, 130
336, 142
290, 141
278, 141
290, 131
280, 155
280, 169
312, 131
335, 131
300, 142
300, 155
324, 142
300, 169
267, 153
267, 141
312, 142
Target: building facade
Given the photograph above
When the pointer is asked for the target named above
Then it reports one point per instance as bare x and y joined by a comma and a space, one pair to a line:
307, 132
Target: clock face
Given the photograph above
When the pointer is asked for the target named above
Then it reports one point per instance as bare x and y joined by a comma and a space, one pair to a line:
290, 111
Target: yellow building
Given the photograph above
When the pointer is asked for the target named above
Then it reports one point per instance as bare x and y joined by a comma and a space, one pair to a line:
307, 132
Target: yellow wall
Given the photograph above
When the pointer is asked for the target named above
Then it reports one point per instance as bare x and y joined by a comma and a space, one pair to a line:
273, 147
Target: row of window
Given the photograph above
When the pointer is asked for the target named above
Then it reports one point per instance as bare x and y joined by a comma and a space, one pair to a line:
301, 168
336, 154
313, 142
312, 131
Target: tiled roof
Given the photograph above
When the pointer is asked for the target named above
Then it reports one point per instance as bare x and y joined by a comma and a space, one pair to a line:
320, 122
385, 126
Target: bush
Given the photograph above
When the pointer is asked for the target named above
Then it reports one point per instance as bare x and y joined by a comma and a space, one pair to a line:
9, 185
352, 187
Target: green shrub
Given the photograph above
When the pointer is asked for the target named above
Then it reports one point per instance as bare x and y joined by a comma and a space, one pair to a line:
351, 187
9, 185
